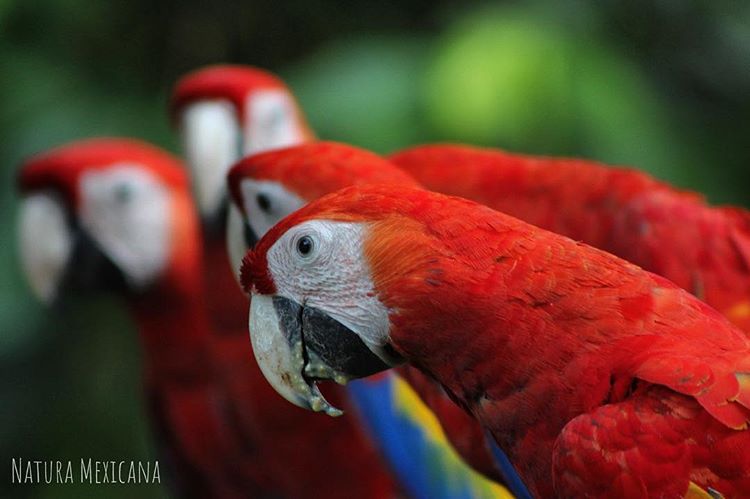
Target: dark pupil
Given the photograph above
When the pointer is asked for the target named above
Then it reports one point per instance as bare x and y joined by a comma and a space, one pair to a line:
304, 245
263, 202
276, 118
123, 193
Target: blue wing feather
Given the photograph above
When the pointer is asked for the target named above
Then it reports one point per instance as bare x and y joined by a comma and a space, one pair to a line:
414, 445
510, 475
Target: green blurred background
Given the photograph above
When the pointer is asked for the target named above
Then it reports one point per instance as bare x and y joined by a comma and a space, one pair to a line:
664, 86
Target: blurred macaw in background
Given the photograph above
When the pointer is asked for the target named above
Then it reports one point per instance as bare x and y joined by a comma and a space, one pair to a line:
117, 215
120, 211
223, 112
673, 233
597, 378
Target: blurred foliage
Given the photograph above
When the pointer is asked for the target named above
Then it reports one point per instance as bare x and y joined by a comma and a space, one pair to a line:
533, 86
661, 85
368, 78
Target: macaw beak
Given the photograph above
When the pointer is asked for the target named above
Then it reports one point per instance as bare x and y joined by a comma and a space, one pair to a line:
58, 256
211, 139
215, 222
90, 269
296, 346
45, 243
240, 238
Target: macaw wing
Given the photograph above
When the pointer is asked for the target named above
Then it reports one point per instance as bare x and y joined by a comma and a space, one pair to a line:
658, 443
721, 388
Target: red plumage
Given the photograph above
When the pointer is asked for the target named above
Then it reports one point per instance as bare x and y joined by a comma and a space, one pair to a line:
315, 169
587, 370
61, 166
673, 233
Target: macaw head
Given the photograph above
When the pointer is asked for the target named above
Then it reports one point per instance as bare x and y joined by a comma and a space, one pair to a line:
329, 283
105, 213
226, 112
266, 187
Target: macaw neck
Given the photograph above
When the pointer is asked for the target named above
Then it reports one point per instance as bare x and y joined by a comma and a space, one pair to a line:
504, 384
173, 326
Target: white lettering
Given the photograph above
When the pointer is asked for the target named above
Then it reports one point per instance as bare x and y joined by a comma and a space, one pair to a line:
156, 477
86, 471
15, 470
69, 473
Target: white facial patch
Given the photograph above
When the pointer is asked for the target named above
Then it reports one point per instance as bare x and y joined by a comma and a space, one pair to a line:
126, 210
211, 138
45, 243
272, 122
333, 276
266, 203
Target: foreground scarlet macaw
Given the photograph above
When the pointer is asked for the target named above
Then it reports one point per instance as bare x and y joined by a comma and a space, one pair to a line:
103, 208
267, 187
597, 378
702, 248
217, 108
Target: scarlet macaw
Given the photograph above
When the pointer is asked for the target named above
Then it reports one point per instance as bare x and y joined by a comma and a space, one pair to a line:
117, 213
115, 208
597, 378
673, 233
223, 112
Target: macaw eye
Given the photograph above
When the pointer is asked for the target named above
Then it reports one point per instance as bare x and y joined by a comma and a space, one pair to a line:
263, 202
305, 246
123, 193
275, 118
